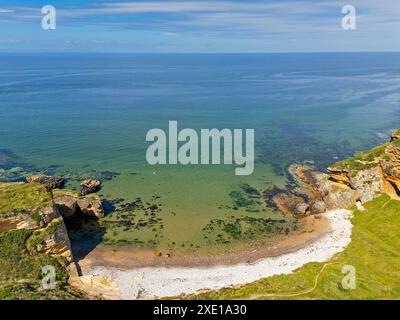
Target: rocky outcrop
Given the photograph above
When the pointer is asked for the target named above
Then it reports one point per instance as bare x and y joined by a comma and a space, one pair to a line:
290, 203
390, 165
30, 206
52, 240
395, 136
347, 183
50, 181
91, 207
70, 204
90, 186
67, 206
372, 172
40, 210
318, 206
333, 194
95, 286
33, 206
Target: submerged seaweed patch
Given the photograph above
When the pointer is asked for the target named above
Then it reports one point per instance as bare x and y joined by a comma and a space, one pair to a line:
226, 231
291, 143
9, 160
91, 174
127, 220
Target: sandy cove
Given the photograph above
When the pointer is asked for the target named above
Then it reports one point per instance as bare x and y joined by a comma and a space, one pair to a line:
157, 282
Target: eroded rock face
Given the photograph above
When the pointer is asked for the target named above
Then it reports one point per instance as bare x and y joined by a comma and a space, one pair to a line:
372, 172
290, 203
67, 206
339, 175
90, 186
301, 209
95, 286
368, 183
318, 206
49, 181
348, 182
395, 136
20, 220
91, 207
71, 204
334, 195
52, 240
49, 234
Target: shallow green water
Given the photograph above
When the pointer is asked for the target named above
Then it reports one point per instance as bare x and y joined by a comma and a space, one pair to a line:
72, 115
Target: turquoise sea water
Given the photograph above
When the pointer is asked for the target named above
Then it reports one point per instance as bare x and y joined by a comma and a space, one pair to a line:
80, 115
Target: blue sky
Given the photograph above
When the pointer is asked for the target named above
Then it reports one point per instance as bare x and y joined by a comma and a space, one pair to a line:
200, 26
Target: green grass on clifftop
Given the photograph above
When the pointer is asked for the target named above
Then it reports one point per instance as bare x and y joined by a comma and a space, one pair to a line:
362, 161
15, 197
374, 252
21, 272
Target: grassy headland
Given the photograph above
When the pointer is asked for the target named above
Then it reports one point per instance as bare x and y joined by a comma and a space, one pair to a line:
374, 252
21, 271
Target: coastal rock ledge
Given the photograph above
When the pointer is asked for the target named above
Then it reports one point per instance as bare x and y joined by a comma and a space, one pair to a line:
30, 206
38, 207
350, 182
50, 181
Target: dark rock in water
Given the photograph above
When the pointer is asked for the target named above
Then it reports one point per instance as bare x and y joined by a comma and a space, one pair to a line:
90, 186
50, 181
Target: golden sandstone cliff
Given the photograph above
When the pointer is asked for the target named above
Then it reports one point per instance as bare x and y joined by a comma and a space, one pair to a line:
32, 228
35, 206
346, 183
372, 172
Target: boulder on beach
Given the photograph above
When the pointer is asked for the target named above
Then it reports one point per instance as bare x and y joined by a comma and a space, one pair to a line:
50, 181
90, 186
300, 209
318, 207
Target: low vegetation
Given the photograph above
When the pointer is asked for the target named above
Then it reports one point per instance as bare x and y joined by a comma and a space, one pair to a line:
364, 160
16, 197
21, 272
374, 252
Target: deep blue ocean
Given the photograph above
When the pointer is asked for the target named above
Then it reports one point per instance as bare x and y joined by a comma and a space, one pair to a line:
72, 108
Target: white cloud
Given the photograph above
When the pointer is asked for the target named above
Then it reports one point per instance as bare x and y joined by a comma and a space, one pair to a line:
277, 16
6, 11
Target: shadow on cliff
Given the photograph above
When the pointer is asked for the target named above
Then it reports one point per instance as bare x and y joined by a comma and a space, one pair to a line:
85, 234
